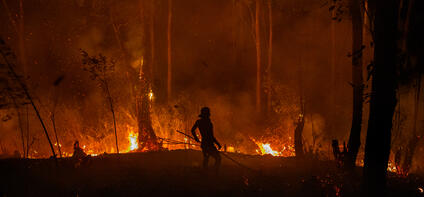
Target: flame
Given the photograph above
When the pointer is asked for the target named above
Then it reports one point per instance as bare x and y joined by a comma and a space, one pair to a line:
231, 149
133, 140
284, 150
266, 149
151, 96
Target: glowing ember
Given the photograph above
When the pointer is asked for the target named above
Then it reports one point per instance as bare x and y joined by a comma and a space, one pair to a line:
231, 149
151, 96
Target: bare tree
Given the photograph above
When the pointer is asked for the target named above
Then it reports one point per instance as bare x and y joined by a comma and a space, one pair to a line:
8, 58
268, 69
100, 69
169, 33
258, 54
357, 82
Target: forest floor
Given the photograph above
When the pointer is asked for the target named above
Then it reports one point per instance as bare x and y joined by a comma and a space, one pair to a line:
178, 173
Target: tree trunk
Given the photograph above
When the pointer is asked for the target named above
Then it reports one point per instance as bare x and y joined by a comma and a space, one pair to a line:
21, 129
113, 115
258, 56
333, 86
268, 69
27, 131
355, 133
298, 137
412, 145
55, 134
383, 97
169, 82
147, 138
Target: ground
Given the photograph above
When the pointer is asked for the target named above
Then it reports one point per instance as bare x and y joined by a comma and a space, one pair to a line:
178, 173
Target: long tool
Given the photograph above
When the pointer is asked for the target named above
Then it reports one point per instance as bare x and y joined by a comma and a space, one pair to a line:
225, 155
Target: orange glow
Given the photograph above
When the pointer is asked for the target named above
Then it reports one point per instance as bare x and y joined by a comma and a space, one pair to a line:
286, 150
133, 140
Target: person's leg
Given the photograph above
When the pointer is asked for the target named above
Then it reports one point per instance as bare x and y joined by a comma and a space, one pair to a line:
205, 160
217, 158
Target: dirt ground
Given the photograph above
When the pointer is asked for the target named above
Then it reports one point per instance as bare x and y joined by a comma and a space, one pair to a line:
179, 173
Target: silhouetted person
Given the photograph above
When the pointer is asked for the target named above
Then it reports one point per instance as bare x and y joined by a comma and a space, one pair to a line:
78, 152
208, 139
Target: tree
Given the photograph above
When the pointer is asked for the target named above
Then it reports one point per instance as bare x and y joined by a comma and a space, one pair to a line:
169, 31
383, 95
53, 111
100, 69
147, 137
268, 69
357, 82
258, 55
8, 58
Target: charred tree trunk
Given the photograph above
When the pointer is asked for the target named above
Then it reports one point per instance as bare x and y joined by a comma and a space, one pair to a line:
147, 138
258, 55
298, 139
169, 81
298, 132
355, 133
383, 96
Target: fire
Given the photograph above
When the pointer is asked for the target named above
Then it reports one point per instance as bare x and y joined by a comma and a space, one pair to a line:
231, 149
151, 96
285, 150
133, 140
266, 149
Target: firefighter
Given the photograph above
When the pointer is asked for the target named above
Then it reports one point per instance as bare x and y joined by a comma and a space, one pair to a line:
78, 152
208, 139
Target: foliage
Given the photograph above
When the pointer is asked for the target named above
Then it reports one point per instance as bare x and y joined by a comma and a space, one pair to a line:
12, 94
99, 67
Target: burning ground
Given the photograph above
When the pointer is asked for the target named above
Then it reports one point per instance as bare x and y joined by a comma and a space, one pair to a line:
169, 173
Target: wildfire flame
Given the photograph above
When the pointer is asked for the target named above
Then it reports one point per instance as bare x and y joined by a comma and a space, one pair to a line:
151, 96
132, 139
266, 149
286, 150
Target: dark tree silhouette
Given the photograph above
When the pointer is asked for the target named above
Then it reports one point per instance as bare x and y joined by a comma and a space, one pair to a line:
9, 65
383, 95
357, 82
100, 69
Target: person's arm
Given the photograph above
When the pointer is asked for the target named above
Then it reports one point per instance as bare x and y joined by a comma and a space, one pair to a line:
214, 139
193, 131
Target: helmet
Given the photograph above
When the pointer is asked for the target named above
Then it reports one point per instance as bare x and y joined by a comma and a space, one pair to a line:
205, 112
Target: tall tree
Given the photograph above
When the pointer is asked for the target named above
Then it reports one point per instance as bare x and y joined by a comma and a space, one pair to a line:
383, 95
268, 69
357, 82
169, 31
258, 55
147, 138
